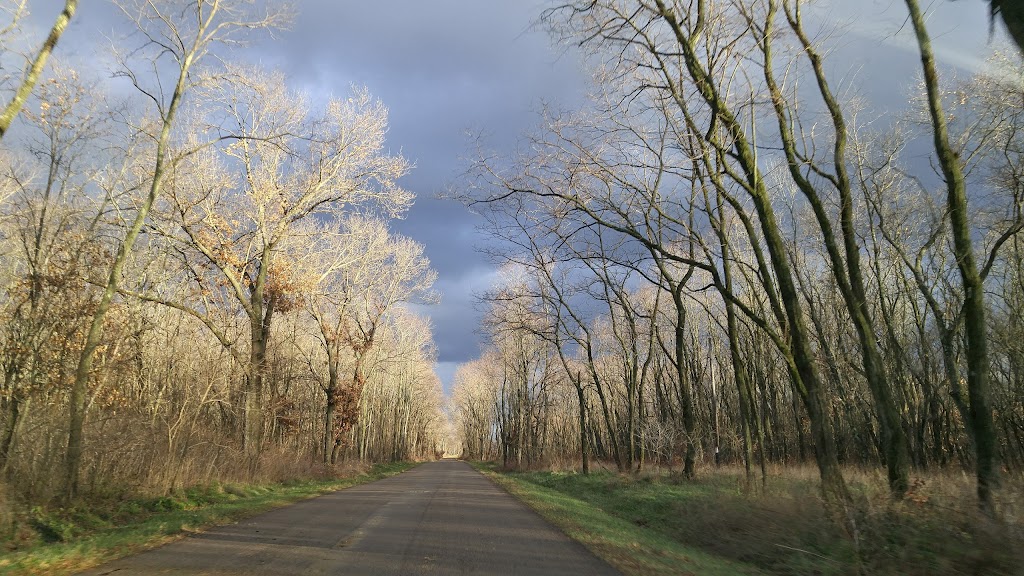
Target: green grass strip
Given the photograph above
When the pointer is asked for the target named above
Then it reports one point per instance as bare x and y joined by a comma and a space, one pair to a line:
144, 524
632, 546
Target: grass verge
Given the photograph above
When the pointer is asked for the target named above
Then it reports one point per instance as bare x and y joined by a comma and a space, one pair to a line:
67, 540
659, 524
623, 538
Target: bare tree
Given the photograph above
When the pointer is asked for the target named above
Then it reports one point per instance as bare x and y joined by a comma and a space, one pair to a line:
971, 274
181, 32
400, 405
472, 397
380, 272
43, 218
295, 168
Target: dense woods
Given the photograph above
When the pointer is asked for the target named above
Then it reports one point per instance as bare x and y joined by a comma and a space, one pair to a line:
729, 257
197, 279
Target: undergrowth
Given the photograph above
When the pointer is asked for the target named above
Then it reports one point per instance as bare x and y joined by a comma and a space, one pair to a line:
55, 540
782, 528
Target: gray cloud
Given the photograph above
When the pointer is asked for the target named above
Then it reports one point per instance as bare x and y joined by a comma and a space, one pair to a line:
442, 68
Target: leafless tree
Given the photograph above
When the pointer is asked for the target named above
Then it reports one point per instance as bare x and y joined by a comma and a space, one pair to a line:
181, 32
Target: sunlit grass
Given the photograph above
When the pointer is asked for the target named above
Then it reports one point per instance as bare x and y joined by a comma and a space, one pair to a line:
591, 509
656, 523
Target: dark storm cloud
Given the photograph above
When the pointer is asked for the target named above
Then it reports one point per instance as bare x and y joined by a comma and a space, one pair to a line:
457, 321
442, 68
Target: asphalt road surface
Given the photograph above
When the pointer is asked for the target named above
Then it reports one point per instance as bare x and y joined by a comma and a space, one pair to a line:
438, 518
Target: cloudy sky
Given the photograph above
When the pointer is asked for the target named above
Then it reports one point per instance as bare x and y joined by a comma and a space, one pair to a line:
446, 68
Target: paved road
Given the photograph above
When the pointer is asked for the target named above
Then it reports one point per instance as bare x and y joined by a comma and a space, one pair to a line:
438, 518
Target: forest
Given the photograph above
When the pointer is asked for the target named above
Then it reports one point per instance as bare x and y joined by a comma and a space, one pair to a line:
729, 256
729, 259
197, 278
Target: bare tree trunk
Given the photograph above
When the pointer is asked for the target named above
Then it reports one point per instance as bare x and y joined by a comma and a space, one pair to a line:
161, 163
616, 450
976, 345
31, 78
689, 421
14, 413
332, 405
807, 381
252, 409
739, 364
584, 451
95, 333
846, 267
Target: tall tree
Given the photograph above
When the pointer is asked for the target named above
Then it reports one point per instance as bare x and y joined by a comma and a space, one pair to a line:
974, 311
182, 35
380, 273
241, 231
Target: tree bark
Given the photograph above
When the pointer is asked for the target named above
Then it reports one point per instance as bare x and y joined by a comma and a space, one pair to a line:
332, 405
689, 421
976, 343
846, 266
36, 69
584, 450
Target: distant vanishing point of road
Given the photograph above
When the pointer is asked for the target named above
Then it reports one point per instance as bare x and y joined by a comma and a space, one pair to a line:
438, 518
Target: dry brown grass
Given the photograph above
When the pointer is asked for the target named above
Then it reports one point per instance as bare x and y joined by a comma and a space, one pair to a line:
782, 526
